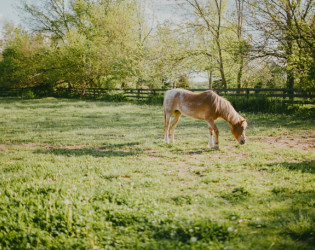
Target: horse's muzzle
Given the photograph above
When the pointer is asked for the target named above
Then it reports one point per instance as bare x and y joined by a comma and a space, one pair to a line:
242, 141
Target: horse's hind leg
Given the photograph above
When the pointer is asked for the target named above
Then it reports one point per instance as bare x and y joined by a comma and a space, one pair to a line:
175, 121
167, 119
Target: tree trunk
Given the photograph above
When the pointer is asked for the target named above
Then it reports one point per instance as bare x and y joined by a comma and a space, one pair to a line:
240, 73
221, 65
289, 49
210, 79
239, 10
290, 78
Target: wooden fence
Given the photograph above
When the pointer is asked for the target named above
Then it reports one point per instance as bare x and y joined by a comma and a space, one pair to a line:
292, 96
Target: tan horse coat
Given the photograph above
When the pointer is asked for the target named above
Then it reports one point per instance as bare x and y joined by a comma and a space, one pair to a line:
206, 106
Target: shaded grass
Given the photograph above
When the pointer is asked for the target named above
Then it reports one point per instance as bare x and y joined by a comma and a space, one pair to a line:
84, 174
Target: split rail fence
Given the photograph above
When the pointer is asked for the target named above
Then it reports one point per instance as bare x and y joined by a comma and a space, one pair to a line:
292, 96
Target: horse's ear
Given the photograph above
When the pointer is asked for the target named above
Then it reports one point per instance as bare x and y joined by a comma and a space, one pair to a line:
243, 121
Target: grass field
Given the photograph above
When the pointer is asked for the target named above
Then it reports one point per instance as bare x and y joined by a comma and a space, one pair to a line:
91, 174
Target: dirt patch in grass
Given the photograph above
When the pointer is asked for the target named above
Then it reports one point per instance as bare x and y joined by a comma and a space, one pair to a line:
3, 148
302, 140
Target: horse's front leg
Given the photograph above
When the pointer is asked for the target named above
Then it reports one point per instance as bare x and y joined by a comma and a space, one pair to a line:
210, 143
213, 130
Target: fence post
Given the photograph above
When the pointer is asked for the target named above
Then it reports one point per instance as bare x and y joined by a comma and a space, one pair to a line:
283, 99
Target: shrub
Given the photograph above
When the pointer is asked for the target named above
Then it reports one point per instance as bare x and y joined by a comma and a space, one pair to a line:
156, 99
28, 94
257, 104
113, 97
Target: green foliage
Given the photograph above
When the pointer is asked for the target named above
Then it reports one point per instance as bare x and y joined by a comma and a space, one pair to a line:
113, 97
112, 44
294, 43
94, 46
183, 82
260, 104
21, 59
28, 94
156, 99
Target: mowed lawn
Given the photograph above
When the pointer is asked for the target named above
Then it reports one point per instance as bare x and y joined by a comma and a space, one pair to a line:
97, 175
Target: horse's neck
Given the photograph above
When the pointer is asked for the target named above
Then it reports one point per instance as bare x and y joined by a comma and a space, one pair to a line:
225, 110
231, 117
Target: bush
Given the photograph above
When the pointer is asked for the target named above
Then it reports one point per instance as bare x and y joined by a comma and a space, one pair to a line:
257, 104
28, 94
43, 90
156, 99
118, 97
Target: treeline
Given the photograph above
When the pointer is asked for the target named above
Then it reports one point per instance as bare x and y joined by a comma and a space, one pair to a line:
117, 44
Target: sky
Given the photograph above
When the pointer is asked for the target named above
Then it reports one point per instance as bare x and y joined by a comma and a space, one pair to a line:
8, 12
165, 9
162, 9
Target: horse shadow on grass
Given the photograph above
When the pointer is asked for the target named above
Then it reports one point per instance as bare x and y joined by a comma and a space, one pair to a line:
177, 149
113, 150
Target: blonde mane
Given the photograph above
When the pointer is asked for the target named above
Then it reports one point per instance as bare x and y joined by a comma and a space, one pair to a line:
224, 109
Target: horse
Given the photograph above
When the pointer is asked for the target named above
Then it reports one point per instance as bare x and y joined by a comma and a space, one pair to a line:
207, 106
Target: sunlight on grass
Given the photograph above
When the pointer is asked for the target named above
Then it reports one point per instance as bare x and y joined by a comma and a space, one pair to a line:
89, 174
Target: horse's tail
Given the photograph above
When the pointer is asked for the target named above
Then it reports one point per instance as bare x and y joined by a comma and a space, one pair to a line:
164, 119
164, 113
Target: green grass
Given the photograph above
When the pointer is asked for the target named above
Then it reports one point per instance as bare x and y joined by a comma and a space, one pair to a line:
91, 174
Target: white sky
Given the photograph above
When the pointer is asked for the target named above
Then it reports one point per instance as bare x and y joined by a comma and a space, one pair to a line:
8, 12
162, 9
165, 9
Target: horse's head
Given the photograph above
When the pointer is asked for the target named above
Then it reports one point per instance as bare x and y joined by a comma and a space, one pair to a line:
238, 130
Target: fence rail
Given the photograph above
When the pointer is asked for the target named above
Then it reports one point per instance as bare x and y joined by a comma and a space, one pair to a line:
291, 96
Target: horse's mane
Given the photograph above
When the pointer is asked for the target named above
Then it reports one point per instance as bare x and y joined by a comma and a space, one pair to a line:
223, 108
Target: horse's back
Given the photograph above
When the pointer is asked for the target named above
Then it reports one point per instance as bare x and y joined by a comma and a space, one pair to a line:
187, 102
174, 94
186, 95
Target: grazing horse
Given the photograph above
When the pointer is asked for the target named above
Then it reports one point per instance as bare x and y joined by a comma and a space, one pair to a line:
206, 106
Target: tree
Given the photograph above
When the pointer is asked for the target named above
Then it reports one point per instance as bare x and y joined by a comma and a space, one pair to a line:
21, 58
286, 34
209, 18
239, 4
94, 42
